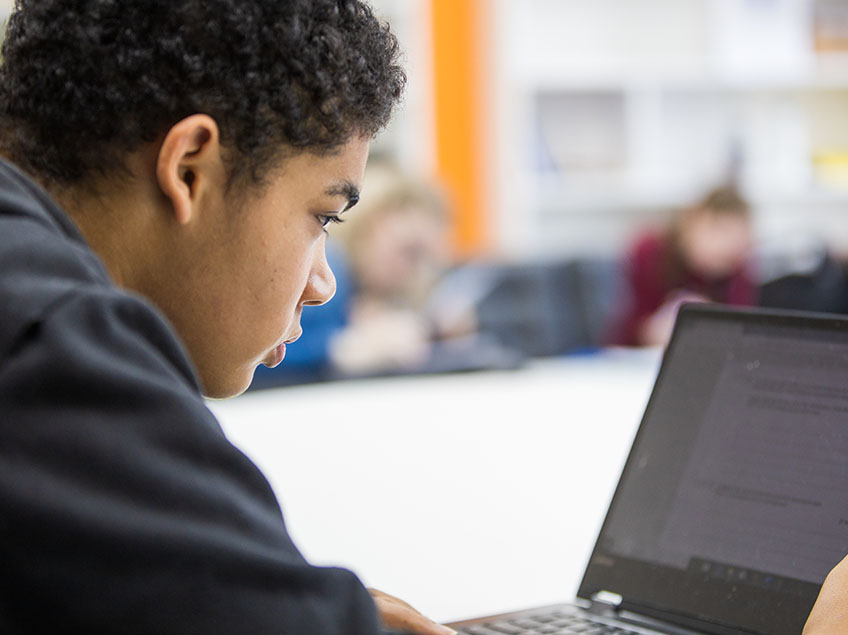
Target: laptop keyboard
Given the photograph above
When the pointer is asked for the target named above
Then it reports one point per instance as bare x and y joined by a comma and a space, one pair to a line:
556, 623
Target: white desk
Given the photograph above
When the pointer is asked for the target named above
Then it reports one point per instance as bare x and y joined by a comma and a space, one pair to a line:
462, 494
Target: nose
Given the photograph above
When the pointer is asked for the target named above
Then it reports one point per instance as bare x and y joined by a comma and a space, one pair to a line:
321, 283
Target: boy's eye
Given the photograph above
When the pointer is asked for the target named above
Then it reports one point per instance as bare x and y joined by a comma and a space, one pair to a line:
326, 219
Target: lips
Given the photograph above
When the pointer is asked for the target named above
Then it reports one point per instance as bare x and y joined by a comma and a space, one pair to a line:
293, 339
279, 352
279, 355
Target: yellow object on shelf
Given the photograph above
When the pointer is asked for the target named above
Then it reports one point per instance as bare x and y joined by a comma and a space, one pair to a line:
831, 168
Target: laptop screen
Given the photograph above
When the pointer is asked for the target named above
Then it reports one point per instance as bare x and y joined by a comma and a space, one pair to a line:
733, 504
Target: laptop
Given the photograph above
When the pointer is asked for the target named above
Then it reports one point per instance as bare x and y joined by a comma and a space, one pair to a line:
733, 503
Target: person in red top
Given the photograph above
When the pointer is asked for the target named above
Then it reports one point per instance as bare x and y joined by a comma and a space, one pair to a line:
702, 256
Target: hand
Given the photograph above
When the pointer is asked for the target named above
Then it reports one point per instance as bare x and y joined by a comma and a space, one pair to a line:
381, 340
830, 613
656, 330
397, 615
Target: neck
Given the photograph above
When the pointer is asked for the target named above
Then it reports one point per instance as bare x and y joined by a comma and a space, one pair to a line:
118, 219
96, 217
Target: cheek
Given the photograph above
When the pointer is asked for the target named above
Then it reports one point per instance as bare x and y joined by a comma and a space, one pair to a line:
293, 267
720, 255
731, 248
278, 281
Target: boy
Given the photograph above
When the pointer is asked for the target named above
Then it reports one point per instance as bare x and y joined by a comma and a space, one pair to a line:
169, 167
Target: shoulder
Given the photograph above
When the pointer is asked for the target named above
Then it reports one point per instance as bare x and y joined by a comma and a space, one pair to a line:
647, 258
648, 247
101, 329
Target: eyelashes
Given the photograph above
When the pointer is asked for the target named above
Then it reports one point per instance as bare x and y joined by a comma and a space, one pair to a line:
326, 219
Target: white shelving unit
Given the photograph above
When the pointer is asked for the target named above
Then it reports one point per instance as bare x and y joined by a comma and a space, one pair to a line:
610, 113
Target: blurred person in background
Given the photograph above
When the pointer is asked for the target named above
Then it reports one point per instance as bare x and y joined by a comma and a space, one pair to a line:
388, 258
397, 249
702, 256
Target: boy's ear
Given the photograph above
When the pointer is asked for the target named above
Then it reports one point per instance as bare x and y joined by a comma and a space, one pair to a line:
189, 163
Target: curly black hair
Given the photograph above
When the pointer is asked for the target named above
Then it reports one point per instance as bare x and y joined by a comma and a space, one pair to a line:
85, 81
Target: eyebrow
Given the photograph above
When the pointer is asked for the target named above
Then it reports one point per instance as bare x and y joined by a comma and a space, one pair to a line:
346, 189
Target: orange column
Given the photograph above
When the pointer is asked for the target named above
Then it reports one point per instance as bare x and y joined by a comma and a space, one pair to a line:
458, 28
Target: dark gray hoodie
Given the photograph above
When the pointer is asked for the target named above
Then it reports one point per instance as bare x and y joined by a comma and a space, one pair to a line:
123, 507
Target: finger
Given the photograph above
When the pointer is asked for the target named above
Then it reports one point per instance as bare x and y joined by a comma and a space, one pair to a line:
830, 612
385, 597
398, 615
406, 620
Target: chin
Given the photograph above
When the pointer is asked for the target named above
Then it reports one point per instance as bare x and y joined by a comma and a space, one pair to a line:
226, 387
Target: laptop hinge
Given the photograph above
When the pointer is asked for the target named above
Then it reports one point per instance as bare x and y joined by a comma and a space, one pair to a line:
605, 602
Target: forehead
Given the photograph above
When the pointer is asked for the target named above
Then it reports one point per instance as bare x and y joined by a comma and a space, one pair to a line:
729, 222
336, 174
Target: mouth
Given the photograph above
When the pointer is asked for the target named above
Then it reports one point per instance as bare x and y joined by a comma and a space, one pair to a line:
293, 339
279, 352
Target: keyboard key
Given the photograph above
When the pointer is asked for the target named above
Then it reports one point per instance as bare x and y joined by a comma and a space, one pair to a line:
545, 619
477, 629
526, 623
506, 628
565, 623
559, 622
